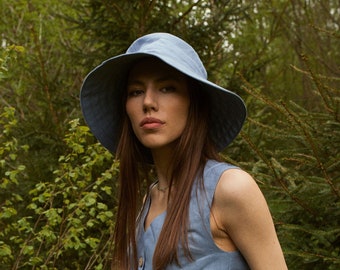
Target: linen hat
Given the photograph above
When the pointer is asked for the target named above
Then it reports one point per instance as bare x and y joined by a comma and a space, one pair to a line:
102, 89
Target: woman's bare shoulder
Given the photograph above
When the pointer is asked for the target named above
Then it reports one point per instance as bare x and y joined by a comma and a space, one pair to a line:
236, 186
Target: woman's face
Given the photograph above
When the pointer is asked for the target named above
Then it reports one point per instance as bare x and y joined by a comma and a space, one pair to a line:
157, 103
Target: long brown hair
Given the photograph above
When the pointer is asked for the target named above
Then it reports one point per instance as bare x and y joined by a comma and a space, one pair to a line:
193, 149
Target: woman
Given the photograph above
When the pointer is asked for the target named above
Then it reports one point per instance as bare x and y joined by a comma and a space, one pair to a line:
154, 108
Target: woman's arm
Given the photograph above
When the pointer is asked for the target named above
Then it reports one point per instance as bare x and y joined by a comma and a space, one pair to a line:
243, 213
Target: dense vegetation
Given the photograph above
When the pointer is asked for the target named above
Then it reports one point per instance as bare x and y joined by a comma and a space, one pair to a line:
57, 184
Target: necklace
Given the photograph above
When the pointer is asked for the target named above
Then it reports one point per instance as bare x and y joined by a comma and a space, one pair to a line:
161, 189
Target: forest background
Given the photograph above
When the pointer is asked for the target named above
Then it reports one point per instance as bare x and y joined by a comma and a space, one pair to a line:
57, 184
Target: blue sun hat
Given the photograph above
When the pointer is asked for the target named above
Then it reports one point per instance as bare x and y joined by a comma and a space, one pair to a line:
102, 90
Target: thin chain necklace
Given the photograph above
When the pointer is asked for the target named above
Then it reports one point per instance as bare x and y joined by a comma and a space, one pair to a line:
161, 189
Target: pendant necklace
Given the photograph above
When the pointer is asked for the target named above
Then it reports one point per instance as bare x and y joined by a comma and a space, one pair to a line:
161, 189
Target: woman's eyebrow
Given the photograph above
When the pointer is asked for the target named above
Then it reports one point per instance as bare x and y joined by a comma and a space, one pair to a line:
158, 80
134, 81
168, 78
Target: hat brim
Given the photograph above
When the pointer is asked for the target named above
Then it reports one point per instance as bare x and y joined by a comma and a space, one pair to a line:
101, 102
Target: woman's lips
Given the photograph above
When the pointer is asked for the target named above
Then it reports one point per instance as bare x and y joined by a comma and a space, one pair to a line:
151, 123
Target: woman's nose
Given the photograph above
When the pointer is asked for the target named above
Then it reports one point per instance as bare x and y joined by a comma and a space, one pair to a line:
150, 101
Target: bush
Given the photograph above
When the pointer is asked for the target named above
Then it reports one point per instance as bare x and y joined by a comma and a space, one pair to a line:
297, 163
67, 222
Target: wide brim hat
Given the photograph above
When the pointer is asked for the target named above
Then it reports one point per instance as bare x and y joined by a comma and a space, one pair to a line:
102, 90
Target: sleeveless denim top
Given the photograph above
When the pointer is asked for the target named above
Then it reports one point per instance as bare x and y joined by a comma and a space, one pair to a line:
206, 255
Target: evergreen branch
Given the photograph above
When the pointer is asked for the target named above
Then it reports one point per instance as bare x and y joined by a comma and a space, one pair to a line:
314, 148
305, 254
319, 76
318, 85
255, 93
298, 126
272, 168
43, 72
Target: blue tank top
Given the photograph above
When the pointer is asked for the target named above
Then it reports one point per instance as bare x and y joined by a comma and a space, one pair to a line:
206, 255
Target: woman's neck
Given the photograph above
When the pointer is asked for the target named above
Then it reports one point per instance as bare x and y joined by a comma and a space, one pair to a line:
162, 159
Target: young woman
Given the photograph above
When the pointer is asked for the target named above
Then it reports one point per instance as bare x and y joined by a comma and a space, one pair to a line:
155, 109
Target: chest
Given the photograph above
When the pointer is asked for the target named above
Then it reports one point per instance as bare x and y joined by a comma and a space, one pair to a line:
215, 231
156, 207
206, 242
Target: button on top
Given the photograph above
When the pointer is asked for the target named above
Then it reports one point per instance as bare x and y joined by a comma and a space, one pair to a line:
140, 262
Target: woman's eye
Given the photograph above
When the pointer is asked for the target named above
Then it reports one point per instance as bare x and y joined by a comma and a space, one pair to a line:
168, 89
135, 93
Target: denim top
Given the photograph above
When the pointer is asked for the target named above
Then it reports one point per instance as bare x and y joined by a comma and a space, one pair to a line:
206, 255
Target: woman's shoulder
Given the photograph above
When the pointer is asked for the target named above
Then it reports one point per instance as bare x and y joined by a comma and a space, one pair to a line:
221, 175
212, 164
237, 192
237, 184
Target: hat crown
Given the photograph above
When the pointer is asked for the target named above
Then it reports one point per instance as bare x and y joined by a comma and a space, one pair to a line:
171, 50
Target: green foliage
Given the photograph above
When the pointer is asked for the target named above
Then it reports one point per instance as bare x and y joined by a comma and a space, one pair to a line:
7, 54
110, 26
68, 220
298, 163
41, 85
10, 172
